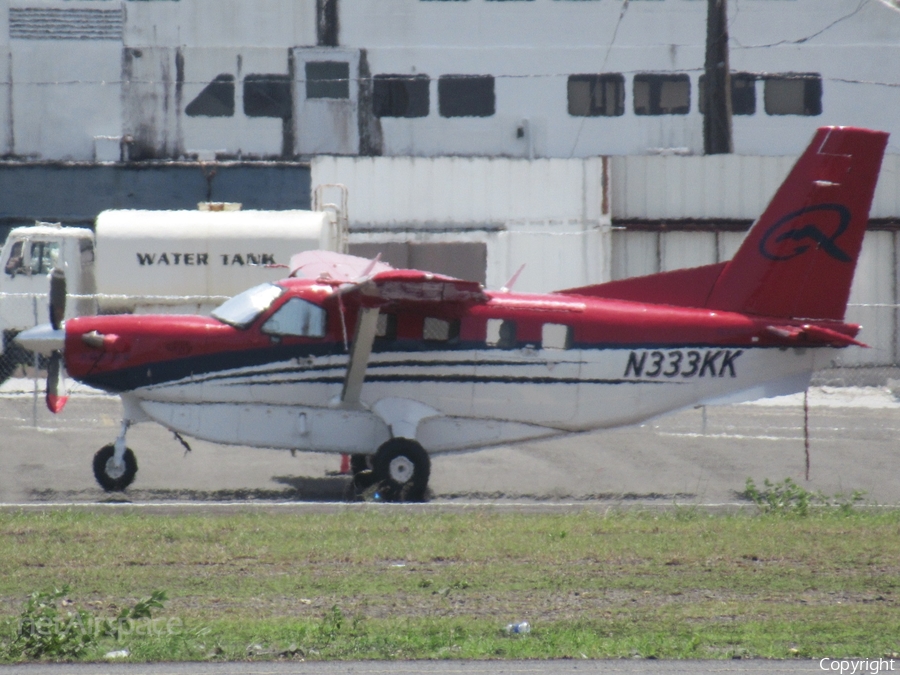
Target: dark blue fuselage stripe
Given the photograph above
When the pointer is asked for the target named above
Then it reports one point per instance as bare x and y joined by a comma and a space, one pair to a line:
228, 365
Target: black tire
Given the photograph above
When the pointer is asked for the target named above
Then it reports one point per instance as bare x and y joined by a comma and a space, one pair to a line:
114, 483
359, 463
401, 468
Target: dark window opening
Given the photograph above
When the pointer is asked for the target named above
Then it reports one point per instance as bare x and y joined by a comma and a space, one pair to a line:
466, 95
216, 99
501, 333
440, 330
662, 94
267, 96
793, 94
386, 327
401, 95
743, 94
327, 79
596, 95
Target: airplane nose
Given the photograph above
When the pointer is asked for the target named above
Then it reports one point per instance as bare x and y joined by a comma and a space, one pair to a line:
43, 339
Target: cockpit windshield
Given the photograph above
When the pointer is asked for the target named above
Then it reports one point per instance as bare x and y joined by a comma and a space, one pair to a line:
241, 310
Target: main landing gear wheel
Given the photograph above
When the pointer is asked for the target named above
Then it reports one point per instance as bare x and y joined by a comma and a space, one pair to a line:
401, 469
359, 463
114, 478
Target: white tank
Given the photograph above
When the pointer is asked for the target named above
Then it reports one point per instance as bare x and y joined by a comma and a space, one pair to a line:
158, 257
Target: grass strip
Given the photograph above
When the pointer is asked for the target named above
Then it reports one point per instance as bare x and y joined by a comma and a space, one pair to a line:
386, 583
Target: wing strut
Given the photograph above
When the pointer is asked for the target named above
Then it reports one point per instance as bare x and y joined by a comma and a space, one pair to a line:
366, 326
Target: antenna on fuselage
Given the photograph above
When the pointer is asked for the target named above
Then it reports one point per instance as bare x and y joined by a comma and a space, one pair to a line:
507, 287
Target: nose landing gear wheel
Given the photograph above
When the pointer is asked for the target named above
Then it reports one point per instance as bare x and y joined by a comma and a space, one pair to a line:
114, 478
401, 469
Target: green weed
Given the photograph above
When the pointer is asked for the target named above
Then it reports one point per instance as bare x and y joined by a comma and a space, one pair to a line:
789, 499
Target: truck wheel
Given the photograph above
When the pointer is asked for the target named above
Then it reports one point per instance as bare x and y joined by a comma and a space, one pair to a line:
111, 478
401, 468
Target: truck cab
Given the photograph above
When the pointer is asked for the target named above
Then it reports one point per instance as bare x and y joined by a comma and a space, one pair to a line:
27, 258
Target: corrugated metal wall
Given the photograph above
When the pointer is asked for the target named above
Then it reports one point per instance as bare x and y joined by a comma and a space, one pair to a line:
549, 214
393, 191
734, 187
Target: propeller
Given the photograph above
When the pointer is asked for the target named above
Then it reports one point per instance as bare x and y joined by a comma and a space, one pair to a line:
56, 369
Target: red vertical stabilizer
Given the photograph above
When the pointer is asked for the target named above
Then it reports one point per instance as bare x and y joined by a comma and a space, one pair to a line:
799, 257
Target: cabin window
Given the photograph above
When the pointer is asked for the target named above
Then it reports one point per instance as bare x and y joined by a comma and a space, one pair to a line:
386, 327
743, 94
666, 94
297, 317
439, 330
793, 95
596, 95
556, 336
216, 99
466, 95
327, 79
267, 96
401, 95
501, 333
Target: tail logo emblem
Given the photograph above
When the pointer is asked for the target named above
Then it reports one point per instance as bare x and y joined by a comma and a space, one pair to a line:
794, 227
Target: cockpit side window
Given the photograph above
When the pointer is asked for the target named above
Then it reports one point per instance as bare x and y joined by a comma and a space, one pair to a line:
242, 310
299, 318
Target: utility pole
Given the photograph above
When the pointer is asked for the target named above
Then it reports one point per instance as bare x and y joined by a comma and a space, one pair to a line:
717, 82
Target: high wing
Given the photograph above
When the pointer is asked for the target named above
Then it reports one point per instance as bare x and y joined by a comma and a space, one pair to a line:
372, 285
407, 288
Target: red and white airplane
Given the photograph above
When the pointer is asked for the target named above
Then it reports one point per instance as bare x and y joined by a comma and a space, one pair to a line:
352, 356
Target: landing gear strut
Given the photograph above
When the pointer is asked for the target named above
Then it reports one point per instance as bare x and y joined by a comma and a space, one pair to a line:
115, 465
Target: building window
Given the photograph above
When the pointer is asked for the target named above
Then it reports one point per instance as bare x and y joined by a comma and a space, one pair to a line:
267, 96
793, 94
743, 94
216, 99
466, 95
668, 94
596, 95
401, 95
327, 79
